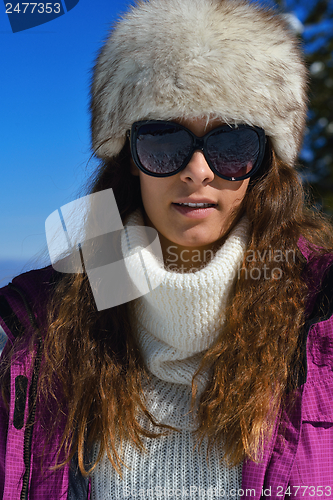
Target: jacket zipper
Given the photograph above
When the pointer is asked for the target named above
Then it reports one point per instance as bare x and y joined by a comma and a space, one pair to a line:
31, 400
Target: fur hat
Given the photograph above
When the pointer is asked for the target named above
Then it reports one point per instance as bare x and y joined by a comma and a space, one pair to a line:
231, 59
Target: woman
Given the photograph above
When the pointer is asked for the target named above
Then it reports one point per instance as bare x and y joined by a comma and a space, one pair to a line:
217, 382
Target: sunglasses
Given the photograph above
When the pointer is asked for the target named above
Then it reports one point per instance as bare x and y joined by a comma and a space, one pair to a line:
163, 148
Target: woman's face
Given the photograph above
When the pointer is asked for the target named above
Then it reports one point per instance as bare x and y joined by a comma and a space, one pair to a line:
197, 183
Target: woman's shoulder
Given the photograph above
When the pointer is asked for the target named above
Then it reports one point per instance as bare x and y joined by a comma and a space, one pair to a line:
23, 302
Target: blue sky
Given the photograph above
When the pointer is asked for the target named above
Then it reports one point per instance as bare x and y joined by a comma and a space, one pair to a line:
44, 126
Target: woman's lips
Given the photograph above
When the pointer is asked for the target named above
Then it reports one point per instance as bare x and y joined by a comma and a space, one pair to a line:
194, 212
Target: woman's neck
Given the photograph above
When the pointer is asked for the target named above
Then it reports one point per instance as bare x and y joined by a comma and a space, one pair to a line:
186, 259
183, 259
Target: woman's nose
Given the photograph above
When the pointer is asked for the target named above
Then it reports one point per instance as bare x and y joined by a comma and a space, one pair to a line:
197, 170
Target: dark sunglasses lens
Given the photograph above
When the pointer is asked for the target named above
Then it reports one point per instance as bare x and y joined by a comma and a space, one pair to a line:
234, 153
162, 148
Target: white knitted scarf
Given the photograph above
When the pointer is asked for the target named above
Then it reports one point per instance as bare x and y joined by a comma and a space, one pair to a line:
175, 323
181, 318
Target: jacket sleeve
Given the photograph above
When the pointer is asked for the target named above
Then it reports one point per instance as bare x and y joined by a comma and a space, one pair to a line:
11, 459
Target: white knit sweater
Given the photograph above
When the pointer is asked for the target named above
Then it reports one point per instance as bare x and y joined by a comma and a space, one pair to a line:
175, 323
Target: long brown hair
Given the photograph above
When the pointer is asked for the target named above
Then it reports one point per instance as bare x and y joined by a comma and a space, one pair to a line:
93, 357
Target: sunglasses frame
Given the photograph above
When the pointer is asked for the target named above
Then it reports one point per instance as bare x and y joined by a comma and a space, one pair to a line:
199, 144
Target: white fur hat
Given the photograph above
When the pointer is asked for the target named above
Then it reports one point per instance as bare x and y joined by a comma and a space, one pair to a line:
230, 59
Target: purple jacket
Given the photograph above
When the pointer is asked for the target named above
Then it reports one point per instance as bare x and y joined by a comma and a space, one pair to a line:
298, 465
